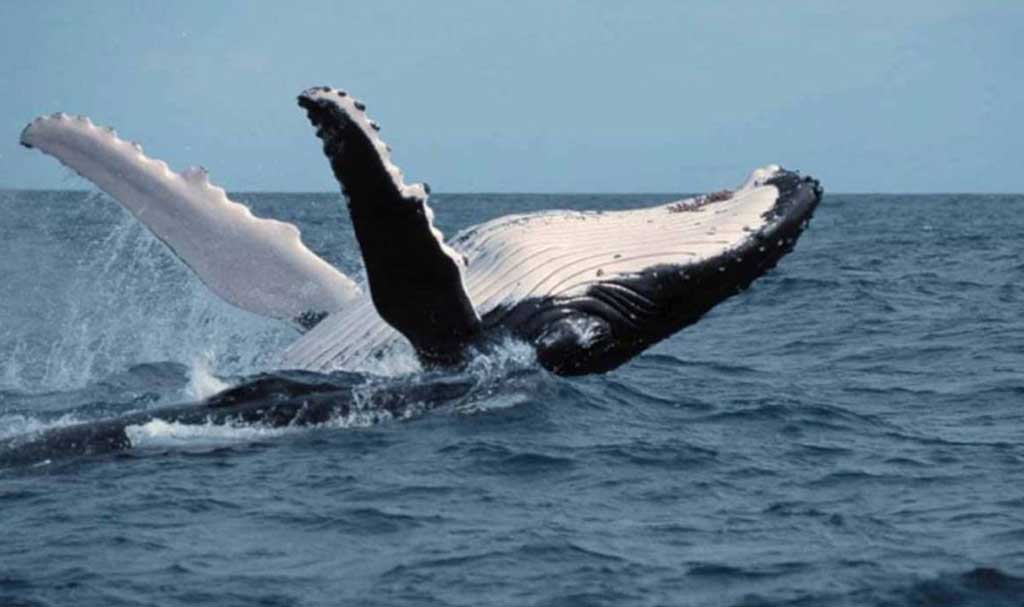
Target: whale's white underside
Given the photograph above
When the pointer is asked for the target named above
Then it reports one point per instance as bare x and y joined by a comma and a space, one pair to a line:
555, 253
262, 266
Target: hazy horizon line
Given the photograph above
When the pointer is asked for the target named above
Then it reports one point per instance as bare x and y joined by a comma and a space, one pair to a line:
562, 193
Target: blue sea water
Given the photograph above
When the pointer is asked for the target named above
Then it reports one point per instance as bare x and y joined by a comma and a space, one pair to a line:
849, 431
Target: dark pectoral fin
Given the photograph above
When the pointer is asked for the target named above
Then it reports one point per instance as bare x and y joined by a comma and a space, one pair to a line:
415, 279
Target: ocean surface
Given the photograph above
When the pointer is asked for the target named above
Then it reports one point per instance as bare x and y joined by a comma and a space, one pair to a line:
849, 431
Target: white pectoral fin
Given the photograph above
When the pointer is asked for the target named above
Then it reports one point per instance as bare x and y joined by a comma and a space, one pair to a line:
259, 265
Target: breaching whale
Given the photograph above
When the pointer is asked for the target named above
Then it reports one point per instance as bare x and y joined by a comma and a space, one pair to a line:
588, 290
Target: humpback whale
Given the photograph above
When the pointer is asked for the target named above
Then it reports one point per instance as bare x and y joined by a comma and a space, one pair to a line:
588, 290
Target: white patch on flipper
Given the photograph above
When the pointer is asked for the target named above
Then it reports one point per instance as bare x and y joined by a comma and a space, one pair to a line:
556, 253
259, 265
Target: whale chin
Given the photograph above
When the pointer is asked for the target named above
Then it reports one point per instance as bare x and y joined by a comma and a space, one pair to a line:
612, 318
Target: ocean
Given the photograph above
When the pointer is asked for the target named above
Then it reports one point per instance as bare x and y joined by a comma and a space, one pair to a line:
849, 431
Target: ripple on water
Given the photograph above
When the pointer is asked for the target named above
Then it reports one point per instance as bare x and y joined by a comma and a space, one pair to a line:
845, 432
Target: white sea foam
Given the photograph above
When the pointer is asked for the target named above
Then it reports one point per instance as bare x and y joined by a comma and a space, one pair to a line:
497, 361
202, 383
160, 433
492, 401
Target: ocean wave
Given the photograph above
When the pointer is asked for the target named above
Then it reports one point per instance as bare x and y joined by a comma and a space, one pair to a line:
846, 432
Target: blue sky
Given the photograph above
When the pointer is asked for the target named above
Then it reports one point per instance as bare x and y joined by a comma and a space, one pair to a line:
537, 96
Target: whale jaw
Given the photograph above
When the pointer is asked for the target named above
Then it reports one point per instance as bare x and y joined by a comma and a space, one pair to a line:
609, 322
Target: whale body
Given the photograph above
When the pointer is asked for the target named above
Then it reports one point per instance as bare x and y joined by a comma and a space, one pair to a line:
588, 290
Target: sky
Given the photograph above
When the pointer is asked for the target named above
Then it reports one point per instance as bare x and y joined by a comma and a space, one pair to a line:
537, 96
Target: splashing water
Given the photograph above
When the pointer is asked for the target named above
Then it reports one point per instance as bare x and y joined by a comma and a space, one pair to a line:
846, 432
117, 297
202, 382
161, 434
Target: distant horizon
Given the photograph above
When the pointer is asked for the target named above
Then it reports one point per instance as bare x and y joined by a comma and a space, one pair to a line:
537, 96
526, 193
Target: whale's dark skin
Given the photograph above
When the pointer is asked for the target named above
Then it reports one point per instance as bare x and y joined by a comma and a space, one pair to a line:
416, 285
632, 314
291, 398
